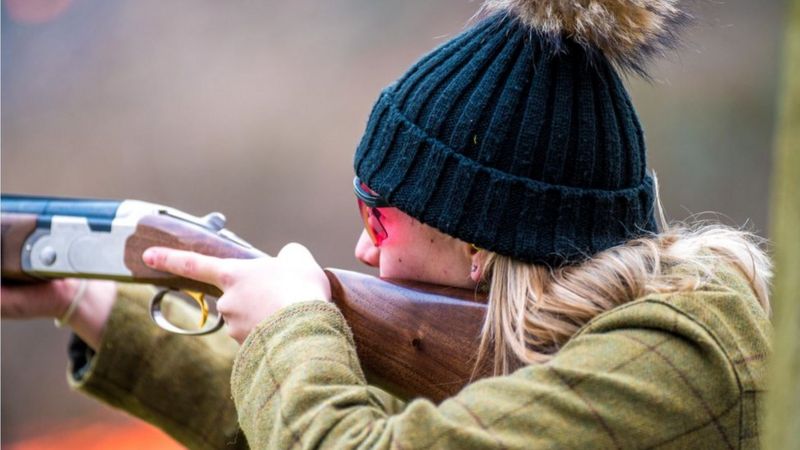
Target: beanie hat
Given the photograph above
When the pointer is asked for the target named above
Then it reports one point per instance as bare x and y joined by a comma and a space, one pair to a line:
518, 135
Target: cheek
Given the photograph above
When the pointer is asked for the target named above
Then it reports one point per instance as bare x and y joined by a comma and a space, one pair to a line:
390, 264
446, 262
414, 251
411, 260
399, 262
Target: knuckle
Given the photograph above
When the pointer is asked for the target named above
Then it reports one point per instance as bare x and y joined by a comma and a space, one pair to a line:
161, 259
294, 250
189, 266
223, 306
291, 247
227, 277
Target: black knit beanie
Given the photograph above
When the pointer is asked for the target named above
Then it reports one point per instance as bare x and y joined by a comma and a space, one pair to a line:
518, 135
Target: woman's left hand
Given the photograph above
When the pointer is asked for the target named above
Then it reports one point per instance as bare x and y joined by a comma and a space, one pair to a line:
253, 289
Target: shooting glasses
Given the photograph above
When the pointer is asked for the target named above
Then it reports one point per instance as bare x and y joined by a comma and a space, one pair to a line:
368, 203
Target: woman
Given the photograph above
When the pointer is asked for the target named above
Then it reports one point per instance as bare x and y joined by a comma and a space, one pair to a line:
509, 159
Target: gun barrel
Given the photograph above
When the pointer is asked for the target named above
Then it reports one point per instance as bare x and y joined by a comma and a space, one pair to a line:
63, 206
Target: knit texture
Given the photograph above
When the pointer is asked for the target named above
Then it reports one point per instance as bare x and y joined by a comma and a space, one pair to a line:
498, 141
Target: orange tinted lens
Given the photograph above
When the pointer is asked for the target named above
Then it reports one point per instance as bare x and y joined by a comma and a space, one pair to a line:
364, 211
377, 226
372, 223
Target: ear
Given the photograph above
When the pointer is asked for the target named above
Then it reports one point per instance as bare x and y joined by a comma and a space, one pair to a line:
477, 259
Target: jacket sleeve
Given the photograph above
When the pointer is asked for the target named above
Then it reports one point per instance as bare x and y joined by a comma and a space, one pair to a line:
644, 376
178, 383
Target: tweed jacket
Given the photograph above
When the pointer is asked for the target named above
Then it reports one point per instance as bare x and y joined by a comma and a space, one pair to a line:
684, 370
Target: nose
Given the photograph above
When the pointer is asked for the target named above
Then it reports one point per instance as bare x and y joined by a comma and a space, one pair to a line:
366, 251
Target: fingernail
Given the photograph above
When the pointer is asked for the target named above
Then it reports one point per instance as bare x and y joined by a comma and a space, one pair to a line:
149, 257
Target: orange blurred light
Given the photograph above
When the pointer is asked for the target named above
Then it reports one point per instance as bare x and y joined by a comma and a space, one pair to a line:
101, 436
35, 11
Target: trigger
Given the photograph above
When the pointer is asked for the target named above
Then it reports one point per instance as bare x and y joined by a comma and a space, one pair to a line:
200, 298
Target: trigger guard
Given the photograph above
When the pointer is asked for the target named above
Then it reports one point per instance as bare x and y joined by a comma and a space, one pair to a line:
163, 323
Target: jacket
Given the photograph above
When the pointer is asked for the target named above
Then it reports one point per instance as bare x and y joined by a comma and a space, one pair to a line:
680, 370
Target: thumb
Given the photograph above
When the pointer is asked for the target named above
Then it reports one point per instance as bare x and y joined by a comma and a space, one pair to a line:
296, 253
302, 262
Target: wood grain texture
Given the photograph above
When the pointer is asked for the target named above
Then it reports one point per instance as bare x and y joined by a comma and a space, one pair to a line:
165, 231
418, 339
15, 230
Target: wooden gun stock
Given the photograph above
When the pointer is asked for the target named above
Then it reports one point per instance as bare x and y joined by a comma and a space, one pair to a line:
15, 230
419, 339
414, 338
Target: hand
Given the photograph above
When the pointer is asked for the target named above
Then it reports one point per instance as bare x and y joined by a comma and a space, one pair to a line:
30, 301
253, 289
52, 299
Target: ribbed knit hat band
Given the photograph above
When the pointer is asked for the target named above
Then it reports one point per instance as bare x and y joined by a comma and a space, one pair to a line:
500, 143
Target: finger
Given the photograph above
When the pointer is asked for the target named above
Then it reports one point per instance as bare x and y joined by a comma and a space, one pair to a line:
315, 282
22, 301
225, 308
207, 269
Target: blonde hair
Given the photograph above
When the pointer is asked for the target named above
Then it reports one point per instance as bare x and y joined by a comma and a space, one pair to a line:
533, 310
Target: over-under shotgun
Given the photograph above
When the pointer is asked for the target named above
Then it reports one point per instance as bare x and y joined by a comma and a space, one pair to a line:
418, 339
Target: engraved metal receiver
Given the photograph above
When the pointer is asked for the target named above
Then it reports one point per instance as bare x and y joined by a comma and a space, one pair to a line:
50, 237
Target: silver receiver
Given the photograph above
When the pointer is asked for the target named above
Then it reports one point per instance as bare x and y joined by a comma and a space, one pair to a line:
70, 247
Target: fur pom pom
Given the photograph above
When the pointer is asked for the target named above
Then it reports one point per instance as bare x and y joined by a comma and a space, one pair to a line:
627, 32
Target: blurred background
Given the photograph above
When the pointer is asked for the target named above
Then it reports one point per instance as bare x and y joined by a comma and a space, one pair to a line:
254, 108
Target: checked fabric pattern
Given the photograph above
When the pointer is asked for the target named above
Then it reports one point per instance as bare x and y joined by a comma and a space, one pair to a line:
671, 371
666, 371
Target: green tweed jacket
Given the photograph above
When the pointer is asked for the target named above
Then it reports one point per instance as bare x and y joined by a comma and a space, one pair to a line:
665, 371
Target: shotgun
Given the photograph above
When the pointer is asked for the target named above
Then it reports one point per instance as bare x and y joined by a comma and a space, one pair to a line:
414, 338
